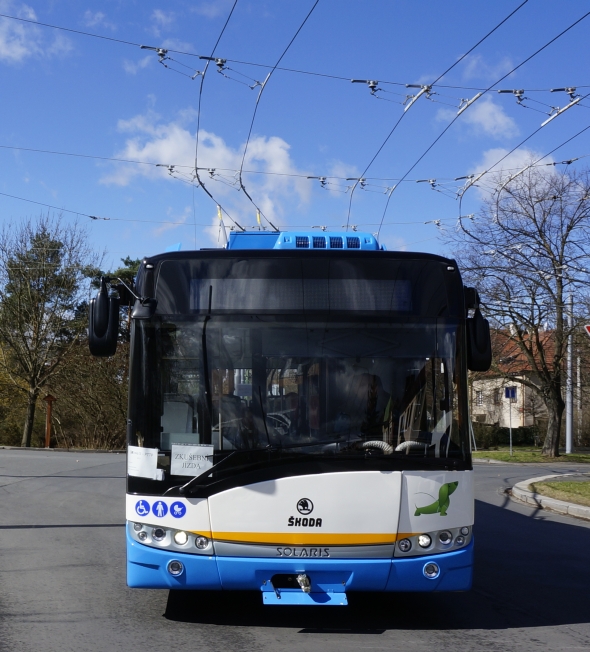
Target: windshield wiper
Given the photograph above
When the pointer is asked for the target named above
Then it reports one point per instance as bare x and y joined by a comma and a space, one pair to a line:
196, 481
184, 488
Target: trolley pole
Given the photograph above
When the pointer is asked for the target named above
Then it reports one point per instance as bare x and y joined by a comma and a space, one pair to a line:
49, 400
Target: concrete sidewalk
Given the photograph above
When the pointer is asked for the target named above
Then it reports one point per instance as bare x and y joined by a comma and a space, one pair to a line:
522, 492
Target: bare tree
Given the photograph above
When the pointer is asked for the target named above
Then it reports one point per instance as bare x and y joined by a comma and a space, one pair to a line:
43, 268
526, 252
92, 408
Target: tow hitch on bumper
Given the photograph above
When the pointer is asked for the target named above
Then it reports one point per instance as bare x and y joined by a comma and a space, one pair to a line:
299, 589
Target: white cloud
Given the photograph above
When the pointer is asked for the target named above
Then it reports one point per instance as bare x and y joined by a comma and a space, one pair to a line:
485, 117
175, 222
513, 164
343, 171
393, 243
20, 41
161, 20
133, 67
475, 67
59, 47
173, 143
96, 19
214, 8
177, 44
514, 161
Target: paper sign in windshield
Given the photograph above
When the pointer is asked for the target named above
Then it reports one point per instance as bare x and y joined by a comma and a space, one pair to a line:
190, 459
143, 462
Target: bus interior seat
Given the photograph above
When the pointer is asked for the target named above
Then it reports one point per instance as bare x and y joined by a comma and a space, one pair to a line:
177, 420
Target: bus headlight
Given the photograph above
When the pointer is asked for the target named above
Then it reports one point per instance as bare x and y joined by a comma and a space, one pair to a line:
464, 531
201, 542
424, 540
180, 538
142, 536
405, 545
158, 534
137, 526
445, 537
460, 540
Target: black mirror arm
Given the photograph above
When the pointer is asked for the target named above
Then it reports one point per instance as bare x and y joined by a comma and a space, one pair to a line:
144, 307
110, 279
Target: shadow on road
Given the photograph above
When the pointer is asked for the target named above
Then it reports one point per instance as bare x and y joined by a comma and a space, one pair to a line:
528, 573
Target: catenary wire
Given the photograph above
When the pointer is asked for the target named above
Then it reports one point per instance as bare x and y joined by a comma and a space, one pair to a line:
567, 29
203, 74
395, 126
96, 217
250, 63
262, 87
235, 170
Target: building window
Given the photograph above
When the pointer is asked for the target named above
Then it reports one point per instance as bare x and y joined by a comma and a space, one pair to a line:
478, 398
497, 396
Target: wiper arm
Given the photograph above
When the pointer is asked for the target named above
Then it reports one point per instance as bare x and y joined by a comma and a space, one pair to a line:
307, 443
194, 482
184, 488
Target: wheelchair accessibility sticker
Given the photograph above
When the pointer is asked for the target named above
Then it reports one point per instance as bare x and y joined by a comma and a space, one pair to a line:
142, 507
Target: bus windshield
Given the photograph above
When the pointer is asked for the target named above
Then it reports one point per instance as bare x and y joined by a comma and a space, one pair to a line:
324, 388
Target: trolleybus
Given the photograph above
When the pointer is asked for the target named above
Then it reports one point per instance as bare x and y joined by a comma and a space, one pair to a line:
298, 419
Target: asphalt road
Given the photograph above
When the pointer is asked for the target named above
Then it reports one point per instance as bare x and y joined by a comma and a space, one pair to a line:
62, 578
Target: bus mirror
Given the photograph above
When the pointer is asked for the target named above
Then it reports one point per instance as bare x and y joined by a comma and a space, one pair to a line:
479, 343
103, 327
471, 298
144, 308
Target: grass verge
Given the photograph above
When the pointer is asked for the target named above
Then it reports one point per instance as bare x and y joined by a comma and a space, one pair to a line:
572, 492
529, 455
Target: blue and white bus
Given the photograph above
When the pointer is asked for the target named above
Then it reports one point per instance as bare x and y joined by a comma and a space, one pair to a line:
298, 419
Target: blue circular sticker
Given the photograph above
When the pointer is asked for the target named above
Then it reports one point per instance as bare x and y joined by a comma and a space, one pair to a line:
142, 507
178, 510
160, 509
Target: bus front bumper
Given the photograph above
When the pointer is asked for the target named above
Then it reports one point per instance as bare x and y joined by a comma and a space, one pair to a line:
330, 579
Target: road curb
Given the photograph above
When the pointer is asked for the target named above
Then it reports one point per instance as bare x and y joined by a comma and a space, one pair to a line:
521, 492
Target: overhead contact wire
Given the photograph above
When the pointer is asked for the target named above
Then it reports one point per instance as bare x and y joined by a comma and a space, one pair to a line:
197, 176
403, 114
262, 87
483, 92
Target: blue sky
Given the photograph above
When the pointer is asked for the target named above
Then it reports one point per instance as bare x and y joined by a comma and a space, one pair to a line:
71, 93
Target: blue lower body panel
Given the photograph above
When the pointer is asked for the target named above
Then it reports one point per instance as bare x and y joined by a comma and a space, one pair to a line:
292, 597
328, 575
147, 567
455, 572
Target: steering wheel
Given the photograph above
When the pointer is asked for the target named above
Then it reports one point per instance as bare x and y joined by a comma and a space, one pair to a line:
377, 445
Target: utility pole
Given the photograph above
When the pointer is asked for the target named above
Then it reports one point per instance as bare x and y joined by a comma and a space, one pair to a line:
510, 394
49, 400
569, 383
579, 398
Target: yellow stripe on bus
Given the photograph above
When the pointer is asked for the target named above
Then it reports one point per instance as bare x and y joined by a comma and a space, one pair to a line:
305, 539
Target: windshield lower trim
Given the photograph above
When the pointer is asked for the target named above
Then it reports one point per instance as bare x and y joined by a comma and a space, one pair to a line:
275, 469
